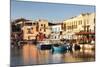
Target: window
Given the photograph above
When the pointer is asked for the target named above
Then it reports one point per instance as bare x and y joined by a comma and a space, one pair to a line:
87, 21
41, 24
81, 21
31, 28
55, 29
40, 29
64, 27
74, 22
34, 24
44, 25
28, 37
29, 31
84, 22
28, 24
94, 20
39, 20
72, 27
44, 30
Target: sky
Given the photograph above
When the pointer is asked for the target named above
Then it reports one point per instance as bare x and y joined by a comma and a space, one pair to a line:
49, 11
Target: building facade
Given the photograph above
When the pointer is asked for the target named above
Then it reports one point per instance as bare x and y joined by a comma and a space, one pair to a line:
29, 30
81, 27
43, 27
84, 24
33, 29
56, 31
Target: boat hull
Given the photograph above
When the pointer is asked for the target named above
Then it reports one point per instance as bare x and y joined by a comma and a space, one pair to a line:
59, 49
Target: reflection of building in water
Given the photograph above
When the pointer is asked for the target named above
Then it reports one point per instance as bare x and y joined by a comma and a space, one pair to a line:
85, 54
69, 58
30, 54
44, 57
26, 54
82, 26
57, 58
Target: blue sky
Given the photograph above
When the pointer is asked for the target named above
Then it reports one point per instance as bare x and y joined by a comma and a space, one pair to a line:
51, 12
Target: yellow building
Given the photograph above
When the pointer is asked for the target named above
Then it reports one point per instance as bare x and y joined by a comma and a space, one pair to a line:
43, 27
29, 30
83, 22
16, 29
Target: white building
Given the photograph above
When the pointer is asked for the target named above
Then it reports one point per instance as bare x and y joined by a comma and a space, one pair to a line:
56, 31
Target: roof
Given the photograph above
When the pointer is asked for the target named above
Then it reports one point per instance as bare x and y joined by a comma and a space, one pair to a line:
20, 19
51, 24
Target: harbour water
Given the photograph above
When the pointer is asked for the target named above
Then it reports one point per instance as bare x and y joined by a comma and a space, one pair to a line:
29, 54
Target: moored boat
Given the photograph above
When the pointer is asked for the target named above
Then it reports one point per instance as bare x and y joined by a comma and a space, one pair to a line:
44, 45
56, 48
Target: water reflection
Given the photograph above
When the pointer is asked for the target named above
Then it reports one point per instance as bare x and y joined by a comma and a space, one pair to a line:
57, 58
30, 54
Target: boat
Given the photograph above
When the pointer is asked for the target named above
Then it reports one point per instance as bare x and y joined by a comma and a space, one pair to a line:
77, 47
61, 48
68, 46
56, 48
44, 45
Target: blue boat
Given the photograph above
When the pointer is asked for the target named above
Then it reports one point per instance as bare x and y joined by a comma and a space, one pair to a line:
62, 48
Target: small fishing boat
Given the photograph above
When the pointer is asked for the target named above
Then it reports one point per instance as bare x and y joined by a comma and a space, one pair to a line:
61, 48
44, 45
56, 48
